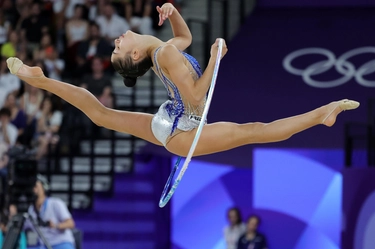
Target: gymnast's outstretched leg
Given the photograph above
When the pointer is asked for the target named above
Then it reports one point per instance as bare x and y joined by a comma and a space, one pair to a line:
137, 124
223, 136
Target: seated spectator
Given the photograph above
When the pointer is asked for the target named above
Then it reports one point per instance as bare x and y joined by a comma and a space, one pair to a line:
18, 117
111, 24
8, 135
94, 46
45, 45
54, 65
53, 213
4, 29
98, 83
30, 103
10, 48
138, 14
33, 27
76, 28
235, 229
8, 82
49, 122
252, 238
66, 8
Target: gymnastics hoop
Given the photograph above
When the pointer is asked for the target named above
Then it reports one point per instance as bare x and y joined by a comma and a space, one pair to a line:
166, 197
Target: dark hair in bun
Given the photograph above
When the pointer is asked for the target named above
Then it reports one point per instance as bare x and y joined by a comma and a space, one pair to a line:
130, 71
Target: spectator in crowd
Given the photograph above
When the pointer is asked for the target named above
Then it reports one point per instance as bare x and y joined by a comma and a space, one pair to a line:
33, 27
10, 48
138, 14
18, 117
22, 12
4, 29
98, 83
76, 28
235, 229
92, 8
54, 65
45, 45
8, 135
8, 82
111, 24
66, 8
53, 213
49, 122
10, 12
8, 132
252, 239
30, 103
94, 46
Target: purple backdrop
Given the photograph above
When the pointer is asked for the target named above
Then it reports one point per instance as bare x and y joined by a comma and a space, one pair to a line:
253, 84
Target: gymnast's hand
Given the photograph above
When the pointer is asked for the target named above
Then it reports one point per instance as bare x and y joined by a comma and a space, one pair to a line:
215, 47
164, 12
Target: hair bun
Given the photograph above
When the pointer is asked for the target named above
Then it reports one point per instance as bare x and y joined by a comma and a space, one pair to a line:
129, 81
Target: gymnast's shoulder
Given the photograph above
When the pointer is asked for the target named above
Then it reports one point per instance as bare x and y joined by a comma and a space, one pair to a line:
169, 54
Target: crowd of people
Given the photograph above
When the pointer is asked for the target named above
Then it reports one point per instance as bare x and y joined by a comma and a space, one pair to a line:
69, 39
240, 235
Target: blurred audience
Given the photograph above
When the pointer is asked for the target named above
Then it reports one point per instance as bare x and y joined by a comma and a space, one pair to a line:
45, 45
76, 28
8, 82
111, 24
138, 14
94, 46
30, 103
18, 117
99, 83
53, 64
235, 229
8, 135
10, 48
71, 40
4, 29
49, 122
33, 27
252, 239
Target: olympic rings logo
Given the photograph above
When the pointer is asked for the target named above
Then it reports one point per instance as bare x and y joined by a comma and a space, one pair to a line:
341, 64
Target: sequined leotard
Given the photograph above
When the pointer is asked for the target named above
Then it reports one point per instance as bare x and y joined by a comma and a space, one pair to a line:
174, 114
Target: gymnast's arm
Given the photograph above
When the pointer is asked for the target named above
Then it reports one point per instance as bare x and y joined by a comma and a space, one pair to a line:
182, 36
195, 91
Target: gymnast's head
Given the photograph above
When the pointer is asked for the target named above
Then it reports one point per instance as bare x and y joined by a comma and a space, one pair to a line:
130, 58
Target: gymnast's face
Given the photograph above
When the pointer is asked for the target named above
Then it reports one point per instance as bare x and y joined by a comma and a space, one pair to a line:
125, 45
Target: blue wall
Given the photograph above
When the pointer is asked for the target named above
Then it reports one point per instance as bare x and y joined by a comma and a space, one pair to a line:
296, 192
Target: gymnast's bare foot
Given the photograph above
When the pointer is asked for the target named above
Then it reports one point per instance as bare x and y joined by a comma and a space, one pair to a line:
333, 109
31, 75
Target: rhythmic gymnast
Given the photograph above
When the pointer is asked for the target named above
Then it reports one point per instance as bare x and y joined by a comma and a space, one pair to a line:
174, 125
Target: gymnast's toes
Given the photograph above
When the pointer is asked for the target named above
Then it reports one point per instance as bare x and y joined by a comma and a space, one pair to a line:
14, 64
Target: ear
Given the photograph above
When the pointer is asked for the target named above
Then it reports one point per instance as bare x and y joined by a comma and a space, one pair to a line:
135, 54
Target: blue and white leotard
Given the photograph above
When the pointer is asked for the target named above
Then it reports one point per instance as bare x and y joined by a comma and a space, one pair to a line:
173, 114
